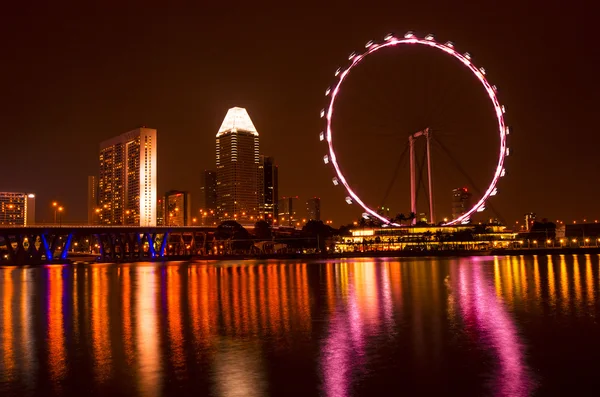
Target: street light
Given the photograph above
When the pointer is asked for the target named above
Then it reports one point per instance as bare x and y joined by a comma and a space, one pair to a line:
60, 210
55, 206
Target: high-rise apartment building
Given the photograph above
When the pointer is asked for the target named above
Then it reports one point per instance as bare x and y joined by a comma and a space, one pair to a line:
93, 211
529, 220
313, 209
289, 211
461, 201
127, 179
178, 208
17, 209
269, 184
237, 168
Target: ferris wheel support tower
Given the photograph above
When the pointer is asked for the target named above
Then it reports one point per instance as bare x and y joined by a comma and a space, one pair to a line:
413, 191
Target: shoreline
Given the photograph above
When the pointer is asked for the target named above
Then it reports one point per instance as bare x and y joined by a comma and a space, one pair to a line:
91, 259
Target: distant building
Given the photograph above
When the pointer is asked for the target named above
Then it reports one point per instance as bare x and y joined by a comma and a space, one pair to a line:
313, 209
17, 209
461, 202
93, 211
160, 212
529, 220
288, 211
178, 208
237, 168
127, 179
270, 188
209, 190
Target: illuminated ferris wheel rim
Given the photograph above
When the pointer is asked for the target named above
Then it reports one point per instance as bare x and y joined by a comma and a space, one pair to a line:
465, 59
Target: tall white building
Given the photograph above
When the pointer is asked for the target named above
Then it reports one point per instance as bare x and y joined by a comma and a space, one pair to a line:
17, 209
127, 179
238, 182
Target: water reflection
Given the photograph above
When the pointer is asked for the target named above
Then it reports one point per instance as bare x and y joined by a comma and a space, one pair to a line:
333, 328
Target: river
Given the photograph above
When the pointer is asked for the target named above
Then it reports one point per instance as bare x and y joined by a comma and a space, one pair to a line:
498, 326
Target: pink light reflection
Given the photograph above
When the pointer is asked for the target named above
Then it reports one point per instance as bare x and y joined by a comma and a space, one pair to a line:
465, 61
486, 319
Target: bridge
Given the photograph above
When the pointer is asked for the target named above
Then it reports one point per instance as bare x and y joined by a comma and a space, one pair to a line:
55, 243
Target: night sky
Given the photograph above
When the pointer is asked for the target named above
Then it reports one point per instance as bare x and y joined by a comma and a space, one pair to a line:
73, 77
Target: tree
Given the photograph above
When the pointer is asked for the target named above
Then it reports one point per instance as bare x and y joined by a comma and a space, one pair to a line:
318, 232
231, 230
262, 230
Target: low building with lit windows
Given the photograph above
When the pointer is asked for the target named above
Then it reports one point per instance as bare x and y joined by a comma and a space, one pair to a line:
17, 209
461, 237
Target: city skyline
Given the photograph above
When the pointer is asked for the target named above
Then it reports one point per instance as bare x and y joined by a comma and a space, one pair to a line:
288, 118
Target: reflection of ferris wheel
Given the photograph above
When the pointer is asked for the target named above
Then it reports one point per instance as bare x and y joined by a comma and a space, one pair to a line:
448, 48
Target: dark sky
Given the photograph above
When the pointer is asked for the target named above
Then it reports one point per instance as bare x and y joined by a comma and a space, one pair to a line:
72, 77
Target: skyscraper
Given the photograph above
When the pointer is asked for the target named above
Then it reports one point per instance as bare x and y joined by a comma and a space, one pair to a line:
270, 188
92, 201
178, 208
288, 211
461, 201
237, 167
313, 209
17, 209
127, 179
209, 191
160, 212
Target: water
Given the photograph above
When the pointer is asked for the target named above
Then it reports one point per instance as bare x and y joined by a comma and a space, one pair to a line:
466, 326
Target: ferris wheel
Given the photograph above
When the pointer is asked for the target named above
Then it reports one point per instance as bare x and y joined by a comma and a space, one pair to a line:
447, 48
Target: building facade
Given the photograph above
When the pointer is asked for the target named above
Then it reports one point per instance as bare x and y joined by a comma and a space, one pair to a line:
461, 201
17, 209
269, 184
160, 212
127, 179
237, 161
93, 210
178, 208
313, 209
288, 208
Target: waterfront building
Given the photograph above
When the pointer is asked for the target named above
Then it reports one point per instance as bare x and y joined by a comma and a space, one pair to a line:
269, 184
461, 201
178, 208
289, 211
93, 211
237, 160
420, 238
313, 209
17, 209
209, 190
127, 179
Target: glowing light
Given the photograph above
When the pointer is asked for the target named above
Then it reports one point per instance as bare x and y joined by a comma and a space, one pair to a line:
507, 152
503, 109
494, 192
429, 37
467, 56
326, 159
237, 119
507, 130
327, 91
494, 88
338, 71
322, 113
335, 181
351, 56
322, 136
388, 37
369, 44
30, 195
349, 200
481, 209
448, 48
482, 70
